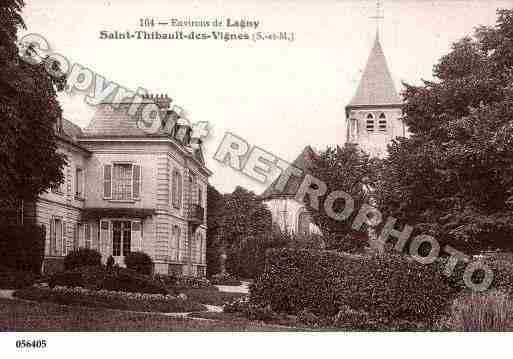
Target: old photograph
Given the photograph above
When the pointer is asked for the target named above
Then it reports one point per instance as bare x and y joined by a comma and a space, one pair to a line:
332, 166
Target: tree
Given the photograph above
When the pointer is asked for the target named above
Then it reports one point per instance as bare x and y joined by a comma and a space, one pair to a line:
453, 178
342, 169
215, 205
234, 221
30, 112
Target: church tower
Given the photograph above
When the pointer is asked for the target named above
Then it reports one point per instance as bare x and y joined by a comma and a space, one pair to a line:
373, 116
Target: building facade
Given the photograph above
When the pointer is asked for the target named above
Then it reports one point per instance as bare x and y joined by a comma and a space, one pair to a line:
290, 215
128, 190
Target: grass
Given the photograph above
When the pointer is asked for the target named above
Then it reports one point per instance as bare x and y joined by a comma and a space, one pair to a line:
478, 312
210, 295
51, 296
24, 316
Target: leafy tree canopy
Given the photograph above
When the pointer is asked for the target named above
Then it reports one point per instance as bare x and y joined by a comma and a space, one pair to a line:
454, 176
29, 112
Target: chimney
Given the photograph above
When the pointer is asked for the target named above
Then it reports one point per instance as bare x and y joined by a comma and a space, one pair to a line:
163, 101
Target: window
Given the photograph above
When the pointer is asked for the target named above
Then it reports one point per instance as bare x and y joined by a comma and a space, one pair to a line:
370, 123
60, 188
79, 183
201, 248
121, 238
121, 181
304, 223
87, 235
200, 196
82, 236
382, 123
57, 246
176, 233
177, 189
76, 235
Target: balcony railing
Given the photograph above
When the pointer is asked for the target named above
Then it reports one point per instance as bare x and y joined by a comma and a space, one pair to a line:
196, 214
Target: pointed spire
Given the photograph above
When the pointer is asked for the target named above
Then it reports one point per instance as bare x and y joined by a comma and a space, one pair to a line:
376, 85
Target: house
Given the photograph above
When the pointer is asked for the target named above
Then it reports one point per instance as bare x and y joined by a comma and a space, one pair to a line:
290, 215
128, 190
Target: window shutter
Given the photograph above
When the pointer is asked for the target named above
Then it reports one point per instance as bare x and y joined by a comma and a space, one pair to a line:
52, 237
107, 181
136, 237
63, 239
178, 243
87, 235
76, 236
136, 180
104, 238
179, 190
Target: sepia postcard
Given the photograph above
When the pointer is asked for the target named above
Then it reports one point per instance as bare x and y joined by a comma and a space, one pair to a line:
318, 173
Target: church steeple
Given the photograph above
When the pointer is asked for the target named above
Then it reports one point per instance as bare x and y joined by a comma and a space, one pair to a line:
376, 86
373, 116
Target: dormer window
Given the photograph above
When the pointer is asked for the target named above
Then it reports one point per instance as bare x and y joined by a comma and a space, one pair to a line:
370, 123
382, 123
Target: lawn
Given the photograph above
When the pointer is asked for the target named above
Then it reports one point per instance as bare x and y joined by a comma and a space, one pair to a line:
210, 295
24, 316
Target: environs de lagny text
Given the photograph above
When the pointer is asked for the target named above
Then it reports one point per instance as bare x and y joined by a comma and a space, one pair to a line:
236, 29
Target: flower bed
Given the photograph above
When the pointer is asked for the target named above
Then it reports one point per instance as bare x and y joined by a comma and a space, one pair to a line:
115, 279
144, 302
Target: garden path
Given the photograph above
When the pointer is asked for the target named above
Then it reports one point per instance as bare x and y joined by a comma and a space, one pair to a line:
6, 293
243, 288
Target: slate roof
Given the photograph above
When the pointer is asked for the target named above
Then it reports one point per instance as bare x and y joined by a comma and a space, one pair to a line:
109, 121
304, 162
115, 122
376, 86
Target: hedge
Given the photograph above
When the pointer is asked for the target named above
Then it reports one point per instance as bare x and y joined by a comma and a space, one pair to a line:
82, 257
389, 287
22, 247
139, 262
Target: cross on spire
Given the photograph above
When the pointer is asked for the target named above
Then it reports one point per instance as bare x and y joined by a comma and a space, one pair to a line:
379, 13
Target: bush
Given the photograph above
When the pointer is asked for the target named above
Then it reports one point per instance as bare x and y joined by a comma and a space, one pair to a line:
186, 282
82, 257
390, 287
14, 279
22, 247
116, 279
246, 257
250, 310
139, 262
491, 311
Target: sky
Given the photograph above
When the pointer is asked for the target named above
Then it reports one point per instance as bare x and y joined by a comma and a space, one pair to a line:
278, 95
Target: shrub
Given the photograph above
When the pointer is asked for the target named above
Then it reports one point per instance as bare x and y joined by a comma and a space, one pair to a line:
82, 257
490, 311
117, 279
186, 282
351, 319
14, 279
110, 262
22, 247
308, 318
139, 262
393, 287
